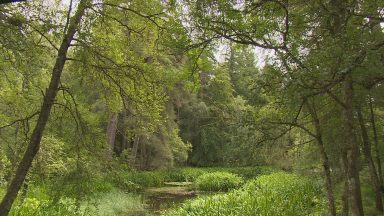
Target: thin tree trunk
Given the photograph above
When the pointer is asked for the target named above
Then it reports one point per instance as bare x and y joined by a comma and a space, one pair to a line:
143, 152
135, 149
111, 130
50, 95
352, 151
328, 178
325, 161
371, 164
124, 140
376, 141
124, 144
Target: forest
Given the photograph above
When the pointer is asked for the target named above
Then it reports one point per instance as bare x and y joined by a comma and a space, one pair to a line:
191, 107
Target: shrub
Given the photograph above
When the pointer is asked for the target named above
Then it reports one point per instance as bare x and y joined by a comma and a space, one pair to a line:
275, 194
218, 181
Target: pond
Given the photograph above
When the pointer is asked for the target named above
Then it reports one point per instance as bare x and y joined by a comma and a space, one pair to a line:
162, 198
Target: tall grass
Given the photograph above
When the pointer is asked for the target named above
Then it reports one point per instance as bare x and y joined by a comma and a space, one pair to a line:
276, 194
117, 203
218, 181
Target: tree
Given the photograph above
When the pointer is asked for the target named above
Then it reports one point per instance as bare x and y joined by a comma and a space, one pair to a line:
114, 70
50, 95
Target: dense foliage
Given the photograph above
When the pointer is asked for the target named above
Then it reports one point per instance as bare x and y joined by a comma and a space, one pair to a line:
103, 98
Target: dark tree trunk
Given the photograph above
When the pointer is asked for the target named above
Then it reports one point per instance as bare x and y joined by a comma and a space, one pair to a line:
325, 160
338, 13
134, 150
376, 142
352, 151
125, 143
123, 125
344, 197
111, 130
50, 95
369, 159
328, 178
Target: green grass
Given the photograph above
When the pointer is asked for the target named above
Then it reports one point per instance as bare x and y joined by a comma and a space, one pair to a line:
117, 203
218, 181
191, 173
275, 194
86, 193
102, 204
138, 180
41, 207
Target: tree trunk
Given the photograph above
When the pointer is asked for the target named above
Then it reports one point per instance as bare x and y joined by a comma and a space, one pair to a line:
328, 178
50, 95
134, 150
344, 197
144, 159
371, 164
123, 121
338, 12
376, 142
352, 151
111, 130
325, 161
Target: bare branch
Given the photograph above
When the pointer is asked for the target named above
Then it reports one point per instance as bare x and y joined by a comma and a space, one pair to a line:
20, 120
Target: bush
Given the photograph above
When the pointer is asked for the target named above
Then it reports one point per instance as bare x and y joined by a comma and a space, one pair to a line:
218, 181
275, 194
